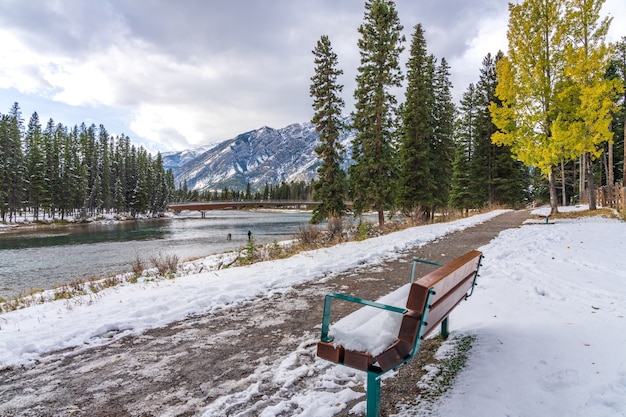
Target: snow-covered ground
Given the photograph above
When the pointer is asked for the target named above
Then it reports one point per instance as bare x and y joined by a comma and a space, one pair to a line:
548, 319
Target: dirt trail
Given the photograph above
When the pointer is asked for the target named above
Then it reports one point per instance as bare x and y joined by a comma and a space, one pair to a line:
180, 369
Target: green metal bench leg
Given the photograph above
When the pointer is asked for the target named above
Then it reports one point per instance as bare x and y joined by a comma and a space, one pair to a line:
373, 394
444, 328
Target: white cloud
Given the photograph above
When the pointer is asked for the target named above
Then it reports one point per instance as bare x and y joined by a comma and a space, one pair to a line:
17, 68
617, 10
191, 73
490, 39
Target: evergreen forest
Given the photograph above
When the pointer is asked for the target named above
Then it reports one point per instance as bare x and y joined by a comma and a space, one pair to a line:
56, 172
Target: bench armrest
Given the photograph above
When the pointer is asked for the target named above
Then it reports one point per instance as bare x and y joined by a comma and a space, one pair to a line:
422, 261
327, 306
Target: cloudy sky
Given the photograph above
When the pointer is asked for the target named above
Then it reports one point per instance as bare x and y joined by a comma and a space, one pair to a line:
174, 75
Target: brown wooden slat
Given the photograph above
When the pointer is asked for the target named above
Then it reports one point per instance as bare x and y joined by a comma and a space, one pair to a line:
410, 326
358, 360
444, 278
417, 297
446, 304
326, 350
390, 358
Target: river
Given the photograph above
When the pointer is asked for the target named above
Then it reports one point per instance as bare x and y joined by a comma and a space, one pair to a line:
52, 256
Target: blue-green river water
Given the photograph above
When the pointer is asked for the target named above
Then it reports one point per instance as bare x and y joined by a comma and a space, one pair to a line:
54, 256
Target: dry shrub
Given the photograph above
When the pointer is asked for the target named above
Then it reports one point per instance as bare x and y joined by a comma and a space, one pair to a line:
138, 266
309, 236
335, 229
165, 264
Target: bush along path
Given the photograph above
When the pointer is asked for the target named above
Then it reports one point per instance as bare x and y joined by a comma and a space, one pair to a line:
253, 358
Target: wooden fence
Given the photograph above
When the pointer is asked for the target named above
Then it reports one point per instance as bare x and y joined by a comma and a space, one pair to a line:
611, 196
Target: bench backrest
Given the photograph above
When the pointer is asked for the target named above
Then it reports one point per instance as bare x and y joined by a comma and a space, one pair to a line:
442, 289
450, 284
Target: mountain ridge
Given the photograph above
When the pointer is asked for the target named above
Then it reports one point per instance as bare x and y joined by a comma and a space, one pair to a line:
257, 157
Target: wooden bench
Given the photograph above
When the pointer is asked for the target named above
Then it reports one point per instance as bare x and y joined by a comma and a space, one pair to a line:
430, 300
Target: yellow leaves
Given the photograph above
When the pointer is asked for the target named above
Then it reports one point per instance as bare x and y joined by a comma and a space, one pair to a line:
556, 103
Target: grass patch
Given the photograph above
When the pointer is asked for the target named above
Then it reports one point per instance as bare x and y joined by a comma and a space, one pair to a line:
602, 212
422, 382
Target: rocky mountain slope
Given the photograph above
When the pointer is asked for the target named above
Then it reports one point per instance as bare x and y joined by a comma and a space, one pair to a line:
261, 156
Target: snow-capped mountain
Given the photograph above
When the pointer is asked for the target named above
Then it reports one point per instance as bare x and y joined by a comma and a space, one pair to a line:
261, 156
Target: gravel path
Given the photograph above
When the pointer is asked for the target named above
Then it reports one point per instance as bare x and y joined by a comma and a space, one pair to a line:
181, 369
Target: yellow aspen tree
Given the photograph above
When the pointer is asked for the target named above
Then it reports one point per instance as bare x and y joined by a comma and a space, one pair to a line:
528, 81
583, 126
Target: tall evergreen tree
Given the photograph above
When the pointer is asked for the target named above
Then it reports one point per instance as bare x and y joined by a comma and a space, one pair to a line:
36, 165
15, 164
330, 187
52, 151
66, 194
5, 121
104, 170
619, 62
442, 148
500, 179
464, 192
416, 180
371, 175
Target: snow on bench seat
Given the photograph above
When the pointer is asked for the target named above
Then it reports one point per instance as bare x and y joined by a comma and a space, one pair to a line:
370, 329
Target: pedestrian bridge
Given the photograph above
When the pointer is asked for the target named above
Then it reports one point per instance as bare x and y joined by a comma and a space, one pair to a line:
225, 205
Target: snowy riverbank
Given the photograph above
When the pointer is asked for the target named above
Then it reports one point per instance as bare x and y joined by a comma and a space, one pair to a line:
545, 317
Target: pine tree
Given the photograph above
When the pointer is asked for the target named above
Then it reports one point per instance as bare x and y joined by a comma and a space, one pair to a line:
330, 187
483, 165
417, 182
52, 151
464, 190
371, 176
619, 62
499, 178
36, 165
67, 193
5, 121
442, 148
104, 170
15, 163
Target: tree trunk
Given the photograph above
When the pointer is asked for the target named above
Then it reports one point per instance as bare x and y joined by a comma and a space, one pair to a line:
610, 179
554, 203
381, 217
581, 185
564, 194
592, 187
610, 175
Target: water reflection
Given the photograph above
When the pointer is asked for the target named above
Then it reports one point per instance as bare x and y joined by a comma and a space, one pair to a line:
85, 234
